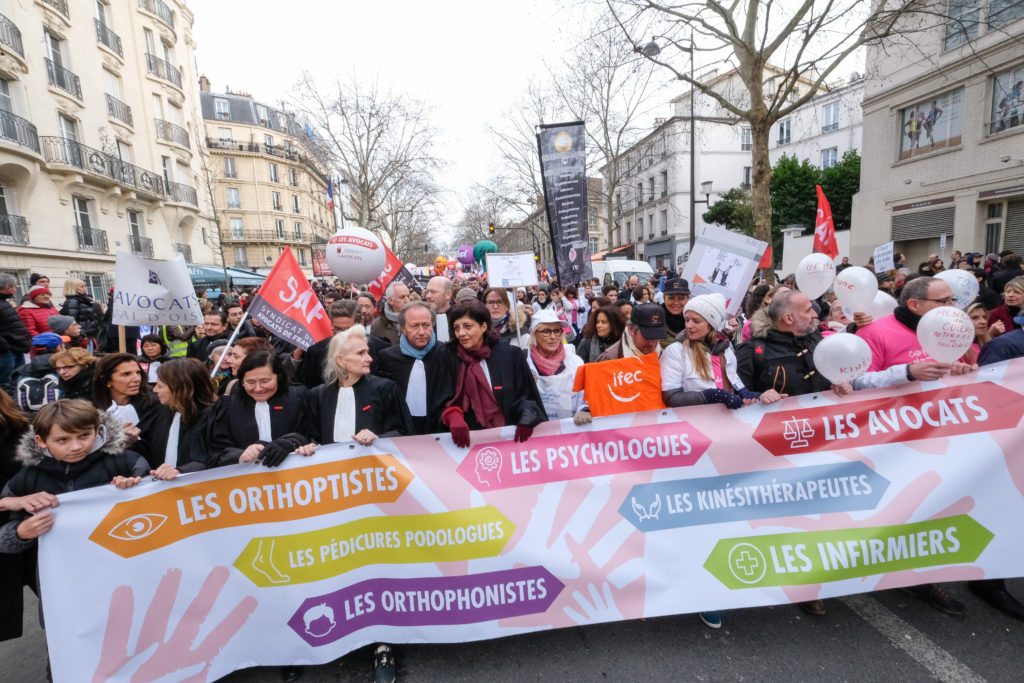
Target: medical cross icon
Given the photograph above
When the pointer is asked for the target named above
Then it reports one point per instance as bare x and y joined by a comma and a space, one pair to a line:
747, 563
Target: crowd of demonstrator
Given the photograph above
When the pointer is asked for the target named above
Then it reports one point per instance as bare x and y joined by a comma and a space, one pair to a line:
459, 356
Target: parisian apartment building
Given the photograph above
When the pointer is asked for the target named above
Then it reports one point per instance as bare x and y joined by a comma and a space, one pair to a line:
100, 139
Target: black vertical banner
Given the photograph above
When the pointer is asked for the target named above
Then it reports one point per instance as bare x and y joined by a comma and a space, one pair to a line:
563, 168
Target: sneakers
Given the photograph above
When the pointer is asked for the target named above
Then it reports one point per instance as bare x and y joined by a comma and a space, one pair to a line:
383, 664
816, 608
994, 593
711, 619
938, 598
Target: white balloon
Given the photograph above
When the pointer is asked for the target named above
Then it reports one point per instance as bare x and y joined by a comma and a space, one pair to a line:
963, 284
357, 255
856, 287
814, 274
945, 333
882, 306
842, 357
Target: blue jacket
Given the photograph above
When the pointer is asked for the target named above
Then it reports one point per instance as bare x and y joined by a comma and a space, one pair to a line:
1004, 347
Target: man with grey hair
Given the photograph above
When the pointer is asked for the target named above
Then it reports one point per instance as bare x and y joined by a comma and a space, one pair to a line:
421, 368
14, 338
439, 293
386, 325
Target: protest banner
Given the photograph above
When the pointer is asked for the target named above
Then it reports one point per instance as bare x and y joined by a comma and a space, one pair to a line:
287, 305
723, 262
511, 270
413, 540
563, 170
150, 292
883, 258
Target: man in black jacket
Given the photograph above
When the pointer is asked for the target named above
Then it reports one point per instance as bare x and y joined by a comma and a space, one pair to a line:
14, 339
215, 324
420, 367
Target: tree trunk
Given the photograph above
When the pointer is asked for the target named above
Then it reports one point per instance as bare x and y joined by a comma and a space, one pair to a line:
761, 187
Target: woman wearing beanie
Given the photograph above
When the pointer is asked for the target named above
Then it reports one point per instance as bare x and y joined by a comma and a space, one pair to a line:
700, 367
37, 311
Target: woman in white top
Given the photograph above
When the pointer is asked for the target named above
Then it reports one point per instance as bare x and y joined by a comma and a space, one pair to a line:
700, 367
554, 365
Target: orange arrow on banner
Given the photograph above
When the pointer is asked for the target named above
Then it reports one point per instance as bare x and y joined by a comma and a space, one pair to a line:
138, 526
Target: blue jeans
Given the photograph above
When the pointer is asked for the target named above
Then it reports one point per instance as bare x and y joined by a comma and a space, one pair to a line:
8, 361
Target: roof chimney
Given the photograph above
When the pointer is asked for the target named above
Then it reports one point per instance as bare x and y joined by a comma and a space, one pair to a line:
204, 84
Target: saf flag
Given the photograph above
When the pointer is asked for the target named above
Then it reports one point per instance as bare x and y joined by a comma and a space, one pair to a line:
394, 269
824, 230
287, 306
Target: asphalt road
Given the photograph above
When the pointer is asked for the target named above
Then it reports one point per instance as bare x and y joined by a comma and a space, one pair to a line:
875, 637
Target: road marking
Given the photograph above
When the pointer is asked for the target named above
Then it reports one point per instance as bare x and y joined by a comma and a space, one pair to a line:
921, 648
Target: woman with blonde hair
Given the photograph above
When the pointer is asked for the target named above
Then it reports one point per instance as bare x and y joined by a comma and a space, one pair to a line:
80, 306
74, 367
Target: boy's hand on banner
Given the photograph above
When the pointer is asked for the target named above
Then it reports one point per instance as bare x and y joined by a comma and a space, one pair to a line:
31, 503
165, 472
174, 652
128, 482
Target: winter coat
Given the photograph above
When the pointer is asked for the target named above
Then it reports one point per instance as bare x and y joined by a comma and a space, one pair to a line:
79, 386
440, 371
16, 571
14, 336
191, 439
1002, 313
512, 384
233, 425
384, 328
200, 348
36, 317
380, 407
82, 308
555, 391
1004, 347
781, 361
42, 472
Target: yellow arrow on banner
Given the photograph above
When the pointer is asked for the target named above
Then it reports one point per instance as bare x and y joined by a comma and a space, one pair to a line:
398, 539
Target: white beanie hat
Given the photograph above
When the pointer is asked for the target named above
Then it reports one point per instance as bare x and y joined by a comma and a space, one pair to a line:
711, 307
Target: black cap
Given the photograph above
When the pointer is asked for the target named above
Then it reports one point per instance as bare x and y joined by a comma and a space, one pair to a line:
677, 285
650, 319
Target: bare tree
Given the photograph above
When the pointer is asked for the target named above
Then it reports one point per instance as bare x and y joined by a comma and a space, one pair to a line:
485, 207
383, 145
773, 47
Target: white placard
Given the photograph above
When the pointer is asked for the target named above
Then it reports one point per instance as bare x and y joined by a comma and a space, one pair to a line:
511, 270
942, 241
724, 262
149, 292
883, 258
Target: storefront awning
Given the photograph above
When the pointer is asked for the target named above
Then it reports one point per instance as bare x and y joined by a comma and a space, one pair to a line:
212, 276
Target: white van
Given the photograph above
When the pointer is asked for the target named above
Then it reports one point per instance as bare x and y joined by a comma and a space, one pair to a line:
620, 270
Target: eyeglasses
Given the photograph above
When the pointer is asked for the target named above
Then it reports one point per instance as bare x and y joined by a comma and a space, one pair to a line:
65, 367
549, 332
495, 302
253, 383
945, 302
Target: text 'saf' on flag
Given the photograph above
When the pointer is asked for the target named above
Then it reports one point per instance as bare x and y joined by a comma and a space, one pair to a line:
563, 167
149, 292
824, 230
287, 306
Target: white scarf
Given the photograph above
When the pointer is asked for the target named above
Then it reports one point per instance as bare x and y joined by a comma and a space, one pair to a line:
263, 421
629, 349
441, 327
171, 452
416, 393
345, 415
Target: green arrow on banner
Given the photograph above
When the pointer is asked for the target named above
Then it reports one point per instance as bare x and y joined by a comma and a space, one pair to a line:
821, 556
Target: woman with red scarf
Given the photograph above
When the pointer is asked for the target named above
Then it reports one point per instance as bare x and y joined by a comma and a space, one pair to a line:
494, 386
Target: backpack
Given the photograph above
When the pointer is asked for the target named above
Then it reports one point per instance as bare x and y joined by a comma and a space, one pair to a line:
32, 393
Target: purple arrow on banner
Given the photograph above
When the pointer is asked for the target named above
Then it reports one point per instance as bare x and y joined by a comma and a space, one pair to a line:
425, 601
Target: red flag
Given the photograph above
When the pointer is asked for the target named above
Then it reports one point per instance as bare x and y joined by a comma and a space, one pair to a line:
287, 306
766, 260
824, 230
394, 269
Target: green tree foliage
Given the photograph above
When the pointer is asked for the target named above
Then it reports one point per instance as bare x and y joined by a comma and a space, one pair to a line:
734, 210
840, 183
794, 199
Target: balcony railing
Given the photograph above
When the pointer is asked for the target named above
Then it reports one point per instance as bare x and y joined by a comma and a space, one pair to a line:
17, 129
59, 5
829, 127
160, 9
141, 246
165, 130
72, 153
63, 79
182, 193
108, 37
161, 69
10, 35
119, 110
185, 250
285, 152
13, 229
263, 236
91, 240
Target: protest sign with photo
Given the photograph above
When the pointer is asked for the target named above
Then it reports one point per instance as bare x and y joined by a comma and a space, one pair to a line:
723, 262
413, 540
150, 292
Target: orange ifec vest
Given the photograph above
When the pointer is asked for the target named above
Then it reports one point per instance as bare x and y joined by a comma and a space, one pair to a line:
628, 385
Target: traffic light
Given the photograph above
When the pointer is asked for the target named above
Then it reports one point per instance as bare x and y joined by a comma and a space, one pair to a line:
490, 228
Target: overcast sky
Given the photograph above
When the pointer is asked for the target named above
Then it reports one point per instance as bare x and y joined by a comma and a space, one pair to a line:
468, 59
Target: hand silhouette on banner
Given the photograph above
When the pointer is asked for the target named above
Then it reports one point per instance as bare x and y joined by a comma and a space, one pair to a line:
175, 652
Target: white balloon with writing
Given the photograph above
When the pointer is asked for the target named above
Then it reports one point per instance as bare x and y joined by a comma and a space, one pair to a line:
882, 305
856, 288
356, 254
814, 274
945, 333
842, 357
963, 284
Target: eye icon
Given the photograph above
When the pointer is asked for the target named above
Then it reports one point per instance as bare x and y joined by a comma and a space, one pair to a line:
137, 526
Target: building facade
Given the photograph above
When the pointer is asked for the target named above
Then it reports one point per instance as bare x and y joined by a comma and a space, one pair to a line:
269, 181
99, 139
946, 153
824, 129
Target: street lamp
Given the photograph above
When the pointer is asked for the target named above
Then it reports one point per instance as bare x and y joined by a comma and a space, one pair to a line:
652, 49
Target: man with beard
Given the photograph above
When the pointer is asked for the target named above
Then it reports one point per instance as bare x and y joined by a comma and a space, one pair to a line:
677, 294
439, 293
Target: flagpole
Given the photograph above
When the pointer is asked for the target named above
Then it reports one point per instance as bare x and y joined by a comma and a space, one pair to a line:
231, 340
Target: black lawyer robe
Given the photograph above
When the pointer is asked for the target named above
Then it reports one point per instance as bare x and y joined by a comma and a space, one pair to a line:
512, 384
233, 425
380, 407
191, 439
440, 370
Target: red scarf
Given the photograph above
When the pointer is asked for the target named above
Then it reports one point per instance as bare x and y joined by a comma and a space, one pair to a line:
472, 391
547, 366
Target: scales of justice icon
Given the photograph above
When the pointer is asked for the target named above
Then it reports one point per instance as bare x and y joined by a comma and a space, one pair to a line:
797, 431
